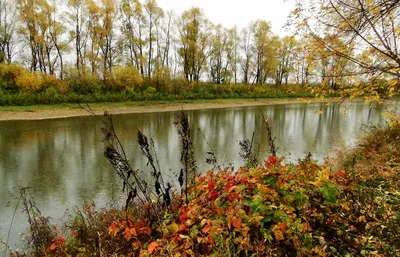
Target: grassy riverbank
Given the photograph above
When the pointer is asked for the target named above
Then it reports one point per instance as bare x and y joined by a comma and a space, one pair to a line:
349, 206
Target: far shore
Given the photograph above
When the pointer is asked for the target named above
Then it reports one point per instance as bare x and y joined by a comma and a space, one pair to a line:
43, 112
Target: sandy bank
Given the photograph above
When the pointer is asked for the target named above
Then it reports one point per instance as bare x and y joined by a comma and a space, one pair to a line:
59, 112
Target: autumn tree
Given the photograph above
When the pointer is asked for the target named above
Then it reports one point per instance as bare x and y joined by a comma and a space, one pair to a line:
223, 55
286, 51
246, 52
8, 20
133, 30
303, 61
194, 41
373, 26
107, 42
218, 61
77, 16
44, 32
233, 54
153, 16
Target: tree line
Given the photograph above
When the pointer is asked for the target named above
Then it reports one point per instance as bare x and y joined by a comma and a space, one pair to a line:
103, 38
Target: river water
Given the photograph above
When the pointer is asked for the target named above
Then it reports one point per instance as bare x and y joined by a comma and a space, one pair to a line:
62, 162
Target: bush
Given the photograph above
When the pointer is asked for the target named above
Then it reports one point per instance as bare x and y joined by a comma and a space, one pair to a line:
8, 75
125, 78
51, 82
29, 82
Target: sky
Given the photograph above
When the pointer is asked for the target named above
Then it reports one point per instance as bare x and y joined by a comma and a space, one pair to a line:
234, 12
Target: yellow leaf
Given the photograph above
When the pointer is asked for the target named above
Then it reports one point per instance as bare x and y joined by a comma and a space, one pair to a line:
173, 228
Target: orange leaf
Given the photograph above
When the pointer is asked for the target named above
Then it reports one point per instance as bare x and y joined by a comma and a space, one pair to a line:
279, 235
113, 229
282, 225
206, 228
152, 247
145, 230
133, 232
236, 222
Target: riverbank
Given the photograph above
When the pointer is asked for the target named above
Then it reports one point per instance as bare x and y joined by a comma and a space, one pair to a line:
43, 112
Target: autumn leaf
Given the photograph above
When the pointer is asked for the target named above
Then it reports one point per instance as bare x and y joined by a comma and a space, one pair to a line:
341, 173
173, 228
282, 226
206, 229
51, 247
114, 228
236, 222
151, 248
211, 185
278, 235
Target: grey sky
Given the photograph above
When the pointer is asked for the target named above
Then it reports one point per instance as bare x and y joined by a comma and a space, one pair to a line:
235, 12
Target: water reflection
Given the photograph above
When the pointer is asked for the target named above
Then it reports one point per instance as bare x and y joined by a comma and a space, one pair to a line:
63, 163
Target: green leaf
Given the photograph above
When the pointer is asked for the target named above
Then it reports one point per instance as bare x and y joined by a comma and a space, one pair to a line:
272, 180
333, 249
330, 192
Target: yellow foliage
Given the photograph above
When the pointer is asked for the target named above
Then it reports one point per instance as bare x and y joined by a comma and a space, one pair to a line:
29, 82
9, 73
126, 77
52, 82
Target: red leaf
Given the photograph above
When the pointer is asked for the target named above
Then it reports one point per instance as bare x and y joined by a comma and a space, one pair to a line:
214, 195
271, 162
51, 247
341, 173
182, 227
183, 217
60, 240
211, 185
74, 234
229, 185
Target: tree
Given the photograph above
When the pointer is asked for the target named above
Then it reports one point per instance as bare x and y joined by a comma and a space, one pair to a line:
193, 37
286, 51
78, 18
133, 29
233, 52
247, 51
154, 14
108, 14
56, 31
8, 19
264, 43
218, 62
373, 26
44, 34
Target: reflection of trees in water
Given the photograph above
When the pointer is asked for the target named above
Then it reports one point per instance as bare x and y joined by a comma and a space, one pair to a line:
64, 160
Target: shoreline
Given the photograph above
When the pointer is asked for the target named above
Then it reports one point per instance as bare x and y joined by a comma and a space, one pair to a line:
60, 112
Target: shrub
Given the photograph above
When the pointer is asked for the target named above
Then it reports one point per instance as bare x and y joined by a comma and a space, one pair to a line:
29, 82
52, 82
8, 75
125, 78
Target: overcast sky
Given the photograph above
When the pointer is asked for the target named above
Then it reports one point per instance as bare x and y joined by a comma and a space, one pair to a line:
236, 12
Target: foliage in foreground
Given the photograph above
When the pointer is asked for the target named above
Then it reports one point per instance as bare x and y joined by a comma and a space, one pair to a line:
275, 209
